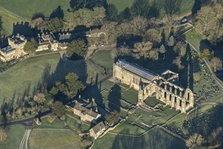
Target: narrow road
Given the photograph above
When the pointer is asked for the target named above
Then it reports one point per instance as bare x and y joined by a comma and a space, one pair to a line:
24, 141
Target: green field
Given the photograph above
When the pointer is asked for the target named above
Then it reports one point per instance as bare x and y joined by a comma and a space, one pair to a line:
53, 139
13, 11
8, 18
121, 4
27, 8
103, 58
25, 76
14, 136
146, 141
185, 8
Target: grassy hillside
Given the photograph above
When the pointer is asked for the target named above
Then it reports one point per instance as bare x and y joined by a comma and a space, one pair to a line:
25, 76
54, 139
147, 141
8, 18
14, 136
26, 8
186, 5
121, 4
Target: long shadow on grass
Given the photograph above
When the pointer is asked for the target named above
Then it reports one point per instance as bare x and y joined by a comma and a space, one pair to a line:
155, 139
94, 91
114, 98
205, 123
62, 69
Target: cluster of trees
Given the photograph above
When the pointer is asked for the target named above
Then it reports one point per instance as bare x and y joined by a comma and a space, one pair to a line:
215, 62
42, 100
90, 4
138, 26
31, 46
208, 21
68, 89
205, 130
55, 23
77, 48
27, 106
214, 140
86, 17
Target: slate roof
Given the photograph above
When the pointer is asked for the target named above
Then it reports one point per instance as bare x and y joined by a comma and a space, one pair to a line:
84, 110
97, 128
136, 70
7, 49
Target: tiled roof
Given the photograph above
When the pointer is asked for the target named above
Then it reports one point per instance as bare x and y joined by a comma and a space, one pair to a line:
136, 70
7, 49
84, 110
97, 128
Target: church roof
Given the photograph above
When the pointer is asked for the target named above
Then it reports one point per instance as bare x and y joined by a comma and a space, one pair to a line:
136, 70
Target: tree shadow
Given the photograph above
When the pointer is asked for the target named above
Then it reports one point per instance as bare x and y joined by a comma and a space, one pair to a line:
64, 66
204, 44
38, 15
205, 123
93, 91
128, 41
196, 7
154, 139
114, 98
24, 29
154, 11
186, 78
57, 13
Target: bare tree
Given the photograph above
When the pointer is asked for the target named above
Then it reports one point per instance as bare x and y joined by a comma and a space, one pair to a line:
195, 141
216, 64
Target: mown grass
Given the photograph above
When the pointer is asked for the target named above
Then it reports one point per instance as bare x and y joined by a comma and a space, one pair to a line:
185, 8
193, 38
146, 141
27, 8
152, 101
104, 59
24, 77
54, 138
14, 136
8, 18
121, 4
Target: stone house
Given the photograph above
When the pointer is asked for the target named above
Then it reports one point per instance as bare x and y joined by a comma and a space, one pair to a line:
97, 130
84, 113
47, 41
164, 87
14, 50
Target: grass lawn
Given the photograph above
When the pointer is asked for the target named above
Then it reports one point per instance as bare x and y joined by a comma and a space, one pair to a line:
185, 7
24, 76
151, 118
75, 123
147, 141
57, 123
121, 4
13, 11
54, 139
27, 8
8, 18
129, 129
152, 101
14, 136
103, 58
194, 38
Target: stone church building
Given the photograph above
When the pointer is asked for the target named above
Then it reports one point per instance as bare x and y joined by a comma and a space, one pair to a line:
164, 87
